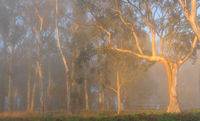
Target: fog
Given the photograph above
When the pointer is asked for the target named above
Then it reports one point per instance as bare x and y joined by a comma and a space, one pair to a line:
98, 56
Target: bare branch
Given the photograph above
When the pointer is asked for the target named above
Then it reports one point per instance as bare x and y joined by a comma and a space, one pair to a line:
132, 29
137, 43
40, 18
162, 46
150, 58
190, 53
149, 25
111, 88
114, 90
193, 13
58, 41
184, 7
107, 32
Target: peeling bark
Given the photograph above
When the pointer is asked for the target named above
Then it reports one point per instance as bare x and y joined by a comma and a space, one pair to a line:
173, 96
171, 69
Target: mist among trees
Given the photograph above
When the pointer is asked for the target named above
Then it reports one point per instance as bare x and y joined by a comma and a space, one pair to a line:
94, 55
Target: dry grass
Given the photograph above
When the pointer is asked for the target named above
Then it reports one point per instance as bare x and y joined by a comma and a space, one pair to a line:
77, 114
146, 115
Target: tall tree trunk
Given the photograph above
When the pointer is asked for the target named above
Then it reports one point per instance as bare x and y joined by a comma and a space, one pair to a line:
2, 85
39, 70
108, 104
15, 96
100, 100
33, 91
74, 88
103, 100
10, 78
118, 95
107, 94
86, 95
64, 62
67, 91
72, 73
29, 82
101, 97
40, 86
49, 88
171, 69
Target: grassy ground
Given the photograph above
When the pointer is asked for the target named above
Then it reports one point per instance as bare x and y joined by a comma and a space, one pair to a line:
102, 116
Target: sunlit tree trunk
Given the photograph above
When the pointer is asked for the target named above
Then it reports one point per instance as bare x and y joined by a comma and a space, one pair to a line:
103, 100
118, 95
10, 78
171, 69
74, 88
38, 61
64, 62
40, 86
39, 70
29, 82
73, 85
100, 101
86, 95
191, 15
33, 91
72, 73
67, 91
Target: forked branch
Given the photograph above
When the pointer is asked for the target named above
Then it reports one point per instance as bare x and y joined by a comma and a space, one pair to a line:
127, 24
190, 53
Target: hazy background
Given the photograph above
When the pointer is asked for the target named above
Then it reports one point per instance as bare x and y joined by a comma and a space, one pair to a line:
33, 76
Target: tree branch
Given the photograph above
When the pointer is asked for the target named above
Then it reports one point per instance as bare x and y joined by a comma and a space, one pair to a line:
150, 58
180, 62
132, 29
193, 13
40, 18
114, 90
184, 6
58, 41
111, 88
107, 32
149, 25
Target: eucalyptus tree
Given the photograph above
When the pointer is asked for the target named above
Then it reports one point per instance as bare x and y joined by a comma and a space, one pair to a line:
85, 67
61, 14
35, 24
120, 70
13, 21
190, 9
4, 29
159, 21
